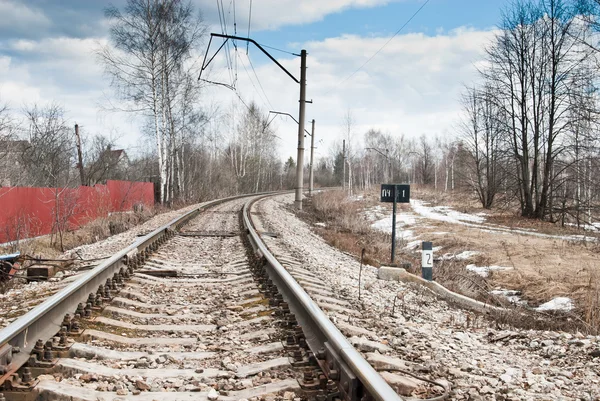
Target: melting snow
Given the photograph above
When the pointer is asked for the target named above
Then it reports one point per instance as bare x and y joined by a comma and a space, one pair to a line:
460, 256
375, 213
385, 225
559, 303
444, 213
513, 296
413, 244
484, 271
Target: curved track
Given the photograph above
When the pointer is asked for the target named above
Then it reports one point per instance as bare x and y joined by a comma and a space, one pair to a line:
190, 311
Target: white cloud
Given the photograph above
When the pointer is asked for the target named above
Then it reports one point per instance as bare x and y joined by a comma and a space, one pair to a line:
65, 71
411, 87
20, 18
272, 14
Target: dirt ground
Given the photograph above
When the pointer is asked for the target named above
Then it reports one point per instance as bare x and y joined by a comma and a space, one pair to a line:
542, 268
546, 260
542, 260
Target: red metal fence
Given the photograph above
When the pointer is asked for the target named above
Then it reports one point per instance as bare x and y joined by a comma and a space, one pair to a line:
28, 212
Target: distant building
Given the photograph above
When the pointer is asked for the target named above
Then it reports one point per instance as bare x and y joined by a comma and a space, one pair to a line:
119, 158
111, 164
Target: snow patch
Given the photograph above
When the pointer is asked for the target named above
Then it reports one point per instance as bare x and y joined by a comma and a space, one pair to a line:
513, 296
444, 213
460, 256
413, 244
484, 271
385, 225
375, 213
564, 304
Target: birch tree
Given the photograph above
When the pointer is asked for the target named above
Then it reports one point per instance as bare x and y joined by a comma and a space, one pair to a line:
150, 42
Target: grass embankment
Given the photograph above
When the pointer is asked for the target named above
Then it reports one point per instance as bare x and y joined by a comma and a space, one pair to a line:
342, 221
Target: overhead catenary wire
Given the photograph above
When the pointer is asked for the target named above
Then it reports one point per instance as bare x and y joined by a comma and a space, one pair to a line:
259, 84
234, 21
279, 50
249, 20
382, 47
266, 98
221, 13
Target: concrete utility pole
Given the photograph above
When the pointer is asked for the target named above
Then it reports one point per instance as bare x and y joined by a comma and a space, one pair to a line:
300, 162
312, 150
302, 82
344, 163
386, 171
79, 155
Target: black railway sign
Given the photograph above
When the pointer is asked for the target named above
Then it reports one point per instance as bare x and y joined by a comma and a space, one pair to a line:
395, 193
402, 192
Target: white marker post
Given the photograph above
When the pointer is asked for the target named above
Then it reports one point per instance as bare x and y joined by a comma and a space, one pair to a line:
427, 261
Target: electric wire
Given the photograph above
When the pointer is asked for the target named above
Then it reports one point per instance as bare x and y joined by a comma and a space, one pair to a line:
249, 20
225, 23
259, 84
384, 45
232, 3
228, 48
265, 100
222, 23
234, 21
279, 50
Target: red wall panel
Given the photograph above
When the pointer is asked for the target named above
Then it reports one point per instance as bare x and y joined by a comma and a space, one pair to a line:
27, 212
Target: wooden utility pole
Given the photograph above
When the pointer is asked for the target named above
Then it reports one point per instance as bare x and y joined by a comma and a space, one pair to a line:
79, 155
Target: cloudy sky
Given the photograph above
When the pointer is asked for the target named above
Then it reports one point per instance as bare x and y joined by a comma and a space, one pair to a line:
412, 86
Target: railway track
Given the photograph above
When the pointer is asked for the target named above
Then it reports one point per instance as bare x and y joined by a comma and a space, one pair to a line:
198, 309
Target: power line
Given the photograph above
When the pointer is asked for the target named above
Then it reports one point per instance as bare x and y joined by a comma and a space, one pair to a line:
221, 12
279, 50
384, 45
254, 86
234, 21
249, 19
259, 84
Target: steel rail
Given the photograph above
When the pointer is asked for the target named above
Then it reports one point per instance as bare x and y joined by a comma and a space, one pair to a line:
45, 320
335, 354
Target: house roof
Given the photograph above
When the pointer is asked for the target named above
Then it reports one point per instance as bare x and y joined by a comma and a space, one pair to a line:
117, 152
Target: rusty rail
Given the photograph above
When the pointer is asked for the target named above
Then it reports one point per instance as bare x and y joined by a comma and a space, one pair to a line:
338, 359
45, 320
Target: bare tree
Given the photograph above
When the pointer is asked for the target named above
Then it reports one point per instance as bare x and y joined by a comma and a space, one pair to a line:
49, 155
482, 132
152, 41
348, 133
9, 164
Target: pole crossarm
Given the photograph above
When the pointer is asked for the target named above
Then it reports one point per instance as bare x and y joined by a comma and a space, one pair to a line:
291, 116
379, 151
232, 37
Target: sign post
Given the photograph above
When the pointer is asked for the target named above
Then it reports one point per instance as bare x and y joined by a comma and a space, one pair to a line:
395, 193
427, 260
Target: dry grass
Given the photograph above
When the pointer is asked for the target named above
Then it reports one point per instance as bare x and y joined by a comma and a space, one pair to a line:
94, 231
347, 229
542, 268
